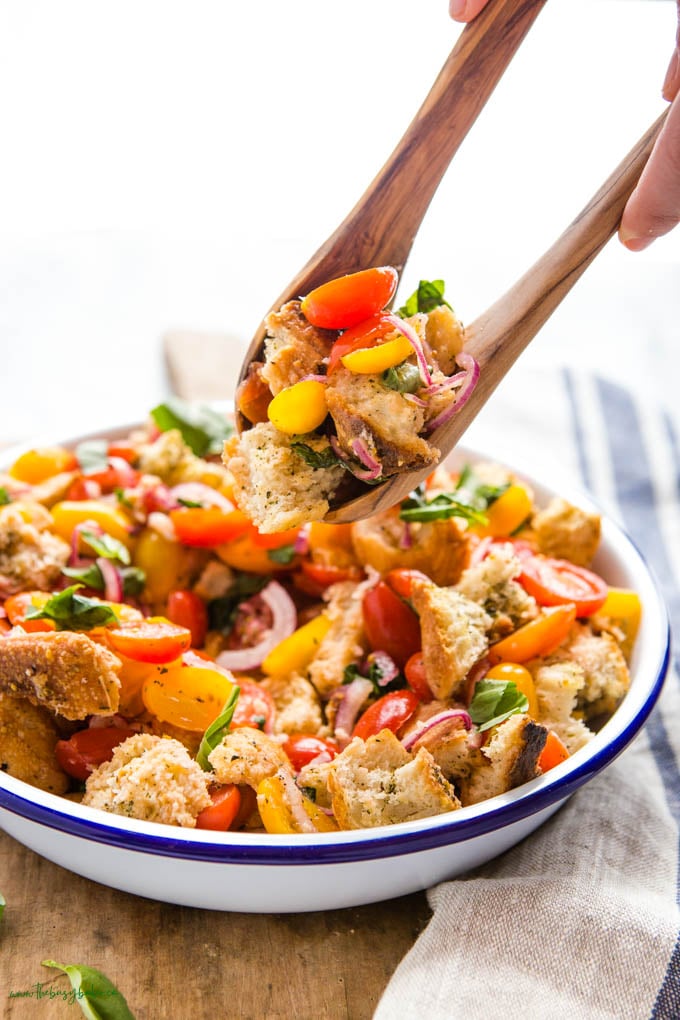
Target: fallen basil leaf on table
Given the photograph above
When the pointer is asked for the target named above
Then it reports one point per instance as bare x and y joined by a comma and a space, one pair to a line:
495, 701
216, 731
98, 998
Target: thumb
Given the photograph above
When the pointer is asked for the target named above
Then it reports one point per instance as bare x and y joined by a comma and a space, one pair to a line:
654, 207
466, 10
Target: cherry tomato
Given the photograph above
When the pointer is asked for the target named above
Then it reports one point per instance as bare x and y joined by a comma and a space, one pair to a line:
189, 697
17, 606
540, 636
85, 750
118, 475
187, 609
302, 748
220, 815
152, 640
348, 300
391, 626
206, 527
416, 677
553, 753
255, 707
276, 539
121, 448
387, 713
401, 580
555, 582
365, 334
253, 395
316, 577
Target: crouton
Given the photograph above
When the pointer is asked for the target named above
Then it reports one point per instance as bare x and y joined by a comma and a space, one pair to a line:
377, 782
53, 489
508, 760
246, 756
293, 347
314, 777
275, 486
557, 684
491, 584
298, 709
438, 548
447, 742
345, 641
445, 335
67, 672
566, 532
605, 669
28, 735
453, 629
174, 462
30, 556
215, 581
151, 778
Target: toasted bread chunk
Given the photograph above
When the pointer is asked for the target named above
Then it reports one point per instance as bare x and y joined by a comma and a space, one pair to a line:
445, 336
438, 548
152, 778
447, 743
27, 738
174, 462
567, 532
246, 756
298, 709
31, 558
604, 666
315, 777
557, 687
453, 630
491, 584
293, 347
67, 672
508, 760
377, 782
345, 640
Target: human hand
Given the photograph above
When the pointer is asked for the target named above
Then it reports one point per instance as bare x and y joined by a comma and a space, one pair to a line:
654, 207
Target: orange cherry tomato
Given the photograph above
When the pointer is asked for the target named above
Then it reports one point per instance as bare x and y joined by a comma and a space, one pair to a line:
351, 299
365, 334
553, 753
187, 609
540, 636
85, 750
276, 539
152, 640
220, 815
255, 707
17, 606
121, 448
416, 677
554, 582
36, 466
401, 580
391, 626
302, 748
387, 713
207, 527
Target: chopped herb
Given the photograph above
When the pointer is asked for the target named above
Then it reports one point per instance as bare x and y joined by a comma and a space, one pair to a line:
429, 295
217, 730
316, 459
97, 996
122, 498
107, 546
71, 611
92, 456
284, 555
4, 496
203, 429
259, 721
222, 612
309, 792
404, 378
190, 503
495, 701
469, 500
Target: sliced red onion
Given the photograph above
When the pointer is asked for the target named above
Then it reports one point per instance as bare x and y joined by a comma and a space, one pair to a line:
113, 585
471, 367
322, 758
480, 551
162, 525
349, 699
284, 622
406, 540
362, 476
450, 383
74, 559
294, 798
448, 715
413, 399
127, 476
416, 343
386, 664
372, 465
301, 543
475, 674
198, 492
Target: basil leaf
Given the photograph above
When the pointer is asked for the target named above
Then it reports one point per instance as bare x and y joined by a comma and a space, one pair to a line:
122, 498
284, 555
191, 504
3, 904
222, 612
107, 546
325, 458
479, 494
495, 701
98, 998
404, 378
203, 429
375, 675
217, 731
4, 496
90, 576
429, 295
71, 611
93, 456
134, 580
420, 509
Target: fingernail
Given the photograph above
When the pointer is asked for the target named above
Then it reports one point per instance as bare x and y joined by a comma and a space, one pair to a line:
457, 8
672, 79
635, 243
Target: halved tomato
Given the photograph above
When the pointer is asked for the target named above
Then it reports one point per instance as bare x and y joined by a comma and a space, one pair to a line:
554, 582
350, 299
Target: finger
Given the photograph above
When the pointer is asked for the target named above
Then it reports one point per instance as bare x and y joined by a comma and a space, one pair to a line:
466, 10
671, 84
654, 207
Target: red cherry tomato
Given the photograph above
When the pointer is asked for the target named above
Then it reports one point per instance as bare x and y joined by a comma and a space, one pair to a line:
401, 580
416, 677
314, 578
85, 750
387, 713
156, 641
364, 334
391, 626
187, 609
220, 815
255, 707
351, 299
207, 527
553, 753
121, 448
302, 748
554, 582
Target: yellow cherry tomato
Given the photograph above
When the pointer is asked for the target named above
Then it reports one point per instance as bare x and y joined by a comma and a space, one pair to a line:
299, 408
623, 610
370, 360
189, 697
295, 652
506, 513
38, 465
69, 513
276, 814
522, 679
161, 560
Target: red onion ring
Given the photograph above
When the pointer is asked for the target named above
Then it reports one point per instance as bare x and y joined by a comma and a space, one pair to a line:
409, 332
362, 476
436, 720
198, 492
113, 585
294, 798
372, 464
462, 396
349, 700
284, 622
301, 543
74, 559
386, 664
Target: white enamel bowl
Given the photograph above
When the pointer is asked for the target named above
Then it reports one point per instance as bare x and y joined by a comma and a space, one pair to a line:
274, 874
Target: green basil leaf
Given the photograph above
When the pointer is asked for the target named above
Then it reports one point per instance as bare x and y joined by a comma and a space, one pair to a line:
134, 580
222, 612
97, 996
217, 731
191, 504
122, 498
90, 576
478, 494
107, 546
93, 456
284, 555
429, 295
203, 429
71, 611
375, 674
316, 459
404, 378
4, 496
495, 701
418, 508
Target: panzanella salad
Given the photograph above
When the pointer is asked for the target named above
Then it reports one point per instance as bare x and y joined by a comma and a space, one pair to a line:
348, 393
163, 658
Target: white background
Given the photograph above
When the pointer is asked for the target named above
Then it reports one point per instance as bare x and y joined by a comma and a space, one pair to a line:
173, 164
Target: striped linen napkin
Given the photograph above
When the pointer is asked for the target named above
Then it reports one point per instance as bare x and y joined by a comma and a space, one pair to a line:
581, 920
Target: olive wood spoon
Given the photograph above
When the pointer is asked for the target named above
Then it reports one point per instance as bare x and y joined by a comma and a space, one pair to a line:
381, 228
498, 337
